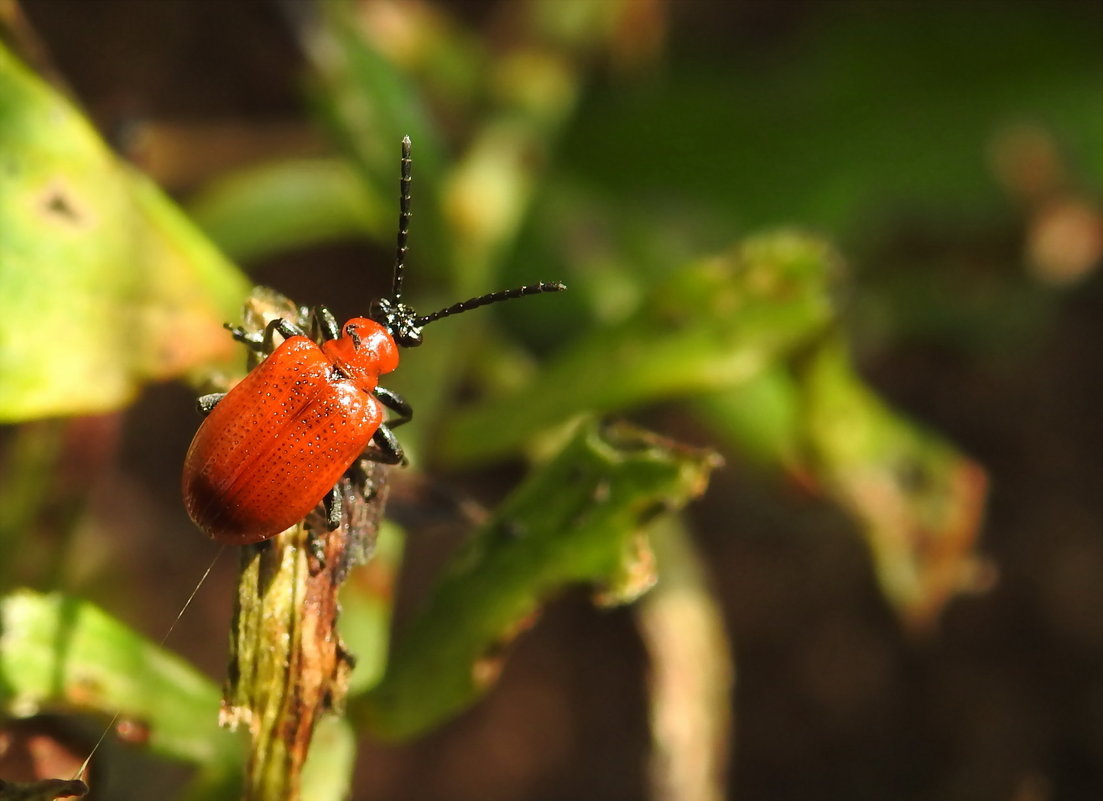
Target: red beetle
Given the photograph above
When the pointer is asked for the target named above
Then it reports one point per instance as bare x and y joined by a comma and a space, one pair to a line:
275, 446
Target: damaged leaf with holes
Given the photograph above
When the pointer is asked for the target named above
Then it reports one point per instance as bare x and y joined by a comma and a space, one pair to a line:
581, 519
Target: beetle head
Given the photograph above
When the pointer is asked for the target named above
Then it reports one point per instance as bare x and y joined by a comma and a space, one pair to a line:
398, 319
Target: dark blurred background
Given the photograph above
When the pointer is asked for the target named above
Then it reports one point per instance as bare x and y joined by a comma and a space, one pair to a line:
900, 131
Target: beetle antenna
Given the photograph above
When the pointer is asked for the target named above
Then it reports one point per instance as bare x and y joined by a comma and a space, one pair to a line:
493, 297
398, 319
403, 220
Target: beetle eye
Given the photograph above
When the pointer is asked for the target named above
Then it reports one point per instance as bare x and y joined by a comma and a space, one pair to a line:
398, 319
408, 336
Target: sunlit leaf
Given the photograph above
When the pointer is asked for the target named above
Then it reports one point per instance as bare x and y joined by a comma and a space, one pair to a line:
105, 284
58, 652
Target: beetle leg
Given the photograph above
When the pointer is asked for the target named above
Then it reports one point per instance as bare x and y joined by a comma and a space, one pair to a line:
204, 403
332, 503
286, 330
323, 325
255, 342
263, 343
386, 450
396, 403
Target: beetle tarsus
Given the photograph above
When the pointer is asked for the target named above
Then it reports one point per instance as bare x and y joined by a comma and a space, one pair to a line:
332, 504
205, 403
285, 328
386, 450
255, 342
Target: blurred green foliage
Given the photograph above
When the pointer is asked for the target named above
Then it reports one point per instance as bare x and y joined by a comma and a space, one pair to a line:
864, 117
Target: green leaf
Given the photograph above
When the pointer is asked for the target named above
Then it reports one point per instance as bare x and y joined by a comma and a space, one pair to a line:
105, 284
329, 767
61, 652
580, 519
919, 500
714, 324
290, 204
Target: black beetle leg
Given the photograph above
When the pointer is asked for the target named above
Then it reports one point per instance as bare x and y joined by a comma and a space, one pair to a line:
332, 503
323, 325
397, 404
386, 450
255, 342
286, 330
205, 403
263, 342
